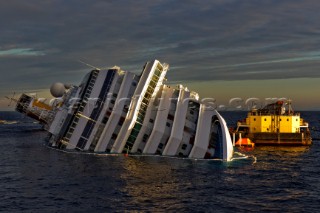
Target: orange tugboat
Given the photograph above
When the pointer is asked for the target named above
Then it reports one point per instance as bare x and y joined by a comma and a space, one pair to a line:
275, 124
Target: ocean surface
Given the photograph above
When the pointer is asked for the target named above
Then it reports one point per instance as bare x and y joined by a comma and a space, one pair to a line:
35, 178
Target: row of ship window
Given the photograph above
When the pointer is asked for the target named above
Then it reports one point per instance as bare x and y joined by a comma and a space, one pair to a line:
273, 119
135, 132
142, 111
82, 105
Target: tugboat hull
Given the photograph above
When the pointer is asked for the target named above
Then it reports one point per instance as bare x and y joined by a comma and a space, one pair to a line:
281, 139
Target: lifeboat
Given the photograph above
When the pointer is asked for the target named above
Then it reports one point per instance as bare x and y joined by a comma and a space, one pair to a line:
244, 142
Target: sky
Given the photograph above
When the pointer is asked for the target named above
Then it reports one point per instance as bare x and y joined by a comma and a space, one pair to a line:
223, 49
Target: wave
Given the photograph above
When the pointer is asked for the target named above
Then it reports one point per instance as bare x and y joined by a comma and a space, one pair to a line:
5, 122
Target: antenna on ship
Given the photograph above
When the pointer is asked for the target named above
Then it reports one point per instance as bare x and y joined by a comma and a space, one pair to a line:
89, 65
12, 99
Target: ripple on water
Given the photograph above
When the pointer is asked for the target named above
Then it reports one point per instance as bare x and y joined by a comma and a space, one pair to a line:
34, 178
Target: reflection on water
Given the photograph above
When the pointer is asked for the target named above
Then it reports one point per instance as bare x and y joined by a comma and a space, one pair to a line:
149, 180
296, 150
34, 178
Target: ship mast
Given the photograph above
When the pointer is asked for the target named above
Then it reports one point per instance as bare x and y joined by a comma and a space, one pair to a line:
290, 110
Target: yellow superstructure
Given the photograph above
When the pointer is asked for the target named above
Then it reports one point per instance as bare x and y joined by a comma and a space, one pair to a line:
273, 123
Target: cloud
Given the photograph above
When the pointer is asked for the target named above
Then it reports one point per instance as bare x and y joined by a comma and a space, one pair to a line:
20, 52
41, 42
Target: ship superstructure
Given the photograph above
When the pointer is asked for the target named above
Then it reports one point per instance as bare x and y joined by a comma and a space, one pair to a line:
115, 111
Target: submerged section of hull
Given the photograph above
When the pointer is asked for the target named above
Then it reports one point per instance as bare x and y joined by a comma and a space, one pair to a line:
114, 111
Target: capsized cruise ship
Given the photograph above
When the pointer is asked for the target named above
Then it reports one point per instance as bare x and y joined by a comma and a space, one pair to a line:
115, 111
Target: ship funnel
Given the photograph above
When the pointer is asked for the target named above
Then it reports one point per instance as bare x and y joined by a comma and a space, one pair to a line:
57, 89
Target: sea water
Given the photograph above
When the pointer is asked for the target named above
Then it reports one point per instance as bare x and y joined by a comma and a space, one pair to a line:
35, 178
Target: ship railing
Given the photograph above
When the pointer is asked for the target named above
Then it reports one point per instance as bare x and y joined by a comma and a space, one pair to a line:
270, 113
242, 123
